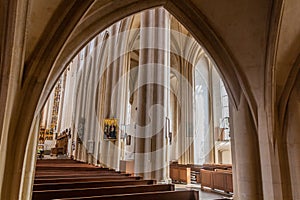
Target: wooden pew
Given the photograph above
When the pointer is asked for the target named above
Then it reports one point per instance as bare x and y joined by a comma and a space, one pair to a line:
87, 192
85, 179
165, 195
174, 175
73, 168
67, 179
219, 179
66, 175
56, 161
61, 172
180, 173
177, 169
73, 165
222, 180
91, 184
229, 182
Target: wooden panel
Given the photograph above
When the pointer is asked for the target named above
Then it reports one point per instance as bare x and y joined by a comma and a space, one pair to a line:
180, 173
218, 180
198, 177
127, 166
176, 173
229, 182
185, 175
206, 178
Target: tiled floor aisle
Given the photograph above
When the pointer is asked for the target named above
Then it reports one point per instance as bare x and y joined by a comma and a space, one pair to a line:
202, 194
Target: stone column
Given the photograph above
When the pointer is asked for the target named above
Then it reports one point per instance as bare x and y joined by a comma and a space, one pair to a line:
95, 133
90, 114
292, 145
69, 104
109, 149
49, 109
186, 132
60, 119
210, 157
121, 89
142, 159
80, 104
88, 70
101, 81
118, 86
150, 140
75, 111
44, 115
245, 153
29, 161
174, 119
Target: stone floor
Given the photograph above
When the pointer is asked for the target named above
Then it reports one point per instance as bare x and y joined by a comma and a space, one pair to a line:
203, 195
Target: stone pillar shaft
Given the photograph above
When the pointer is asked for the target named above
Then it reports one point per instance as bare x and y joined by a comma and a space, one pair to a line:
151, 113
244, 140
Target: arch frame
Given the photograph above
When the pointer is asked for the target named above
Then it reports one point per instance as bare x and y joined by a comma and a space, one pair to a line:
76, 28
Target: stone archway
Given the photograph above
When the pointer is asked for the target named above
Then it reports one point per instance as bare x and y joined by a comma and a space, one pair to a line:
92, 25
75, 29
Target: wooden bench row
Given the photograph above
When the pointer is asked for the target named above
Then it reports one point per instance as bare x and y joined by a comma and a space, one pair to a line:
164, 195
67, 175
181, 174
68, 172
219, 179
60, 161
185, 173
90, 184
72, 180
79, 168
85, 192
84, 179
